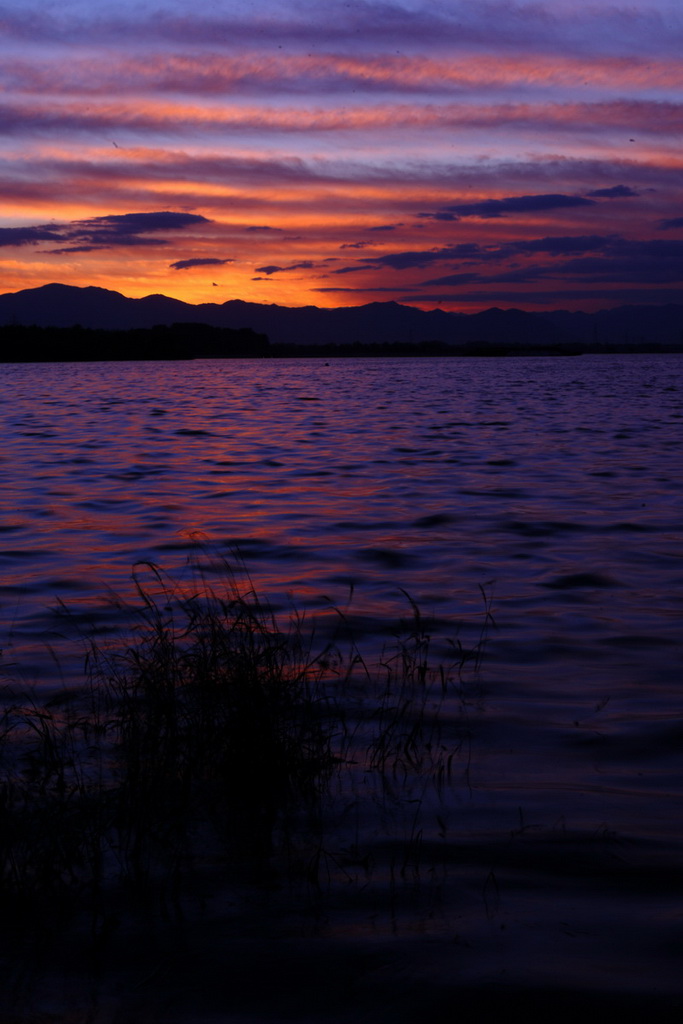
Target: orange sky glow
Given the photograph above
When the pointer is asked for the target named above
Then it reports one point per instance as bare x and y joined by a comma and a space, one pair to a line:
460, 156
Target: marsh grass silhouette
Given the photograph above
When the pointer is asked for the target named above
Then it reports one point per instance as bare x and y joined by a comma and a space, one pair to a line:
215, 735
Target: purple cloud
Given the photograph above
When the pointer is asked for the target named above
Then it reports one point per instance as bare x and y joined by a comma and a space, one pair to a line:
605, 259
305, 265
348, 270
198, 262
75, 248
564, 244
518, 204
134, 222
440, 215
649, 262
127, 228
110, 231
29, 235
454, 279
424, 257
616, 192
504, 25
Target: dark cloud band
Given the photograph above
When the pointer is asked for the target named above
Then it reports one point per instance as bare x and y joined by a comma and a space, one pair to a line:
198, 262
110, 231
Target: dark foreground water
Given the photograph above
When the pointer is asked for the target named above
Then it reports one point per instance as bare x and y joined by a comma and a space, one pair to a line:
553, 484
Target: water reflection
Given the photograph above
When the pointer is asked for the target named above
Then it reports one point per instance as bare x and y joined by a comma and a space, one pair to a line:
346, 486
428, 475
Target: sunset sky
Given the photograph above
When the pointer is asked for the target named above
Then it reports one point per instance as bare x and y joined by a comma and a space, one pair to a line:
459, 154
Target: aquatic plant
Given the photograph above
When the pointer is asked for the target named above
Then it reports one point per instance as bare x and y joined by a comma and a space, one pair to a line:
213, 733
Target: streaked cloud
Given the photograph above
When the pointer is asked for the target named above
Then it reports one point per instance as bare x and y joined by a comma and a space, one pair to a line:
125, 230
615, 192
516, 204
198, 262
306, 265
503, 24
478, 149
28, 235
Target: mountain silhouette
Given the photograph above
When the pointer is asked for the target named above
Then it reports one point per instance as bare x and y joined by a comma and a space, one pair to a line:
381, 323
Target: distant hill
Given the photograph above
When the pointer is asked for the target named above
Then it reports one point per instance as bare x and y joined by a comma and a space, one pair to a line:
383, 323
624, 326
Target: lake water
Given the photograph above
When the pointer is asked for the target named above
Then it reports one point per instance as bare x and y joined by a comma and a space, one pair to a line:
552, 484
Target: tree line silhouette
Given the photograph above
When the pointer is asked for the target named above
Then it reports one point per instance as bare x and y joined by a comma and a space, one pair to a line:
31, 344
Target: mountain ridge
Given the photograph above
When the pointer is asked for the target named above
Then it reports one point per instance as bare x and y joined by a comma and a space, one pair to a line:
59, 305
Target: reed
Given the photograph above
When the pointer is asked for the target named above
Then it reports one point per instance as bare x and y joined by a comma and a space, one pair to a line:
212, 728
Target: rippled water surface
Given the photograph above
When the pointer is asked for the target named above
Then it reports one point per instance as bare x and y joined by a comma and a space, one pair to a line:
553, 484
